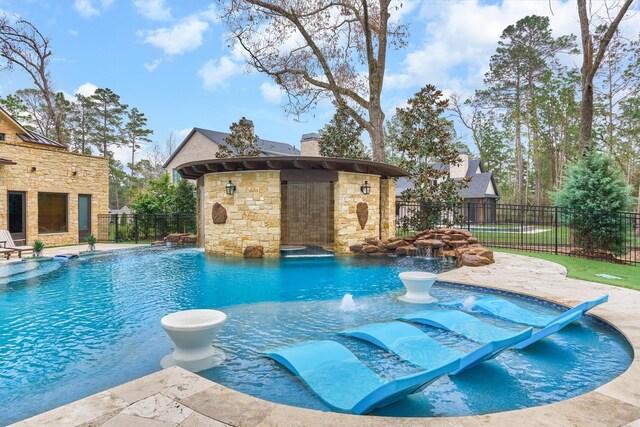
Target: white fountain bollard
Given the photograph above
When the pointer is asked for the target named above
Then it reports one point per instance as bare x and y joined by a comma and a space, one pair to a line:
192, 332
418, 285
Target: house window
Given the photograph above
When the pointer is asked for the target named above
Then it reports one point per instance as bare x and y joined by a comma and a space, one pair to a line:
52, 212
2, 136
176, 177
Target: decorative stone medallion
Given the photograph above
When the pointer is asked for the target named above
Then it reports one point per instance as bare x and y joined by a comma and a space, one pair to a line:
219, 214
362, 210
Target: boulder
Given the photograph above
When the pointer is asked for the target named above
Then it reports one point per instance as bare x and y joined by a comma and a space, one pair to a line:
429, 243
406, 250
369, 249
372, 241
457, 237
468, 260
457, 243
393, 245
486, 253
355, 248
256, 251
218, 213
174, 238
472, 240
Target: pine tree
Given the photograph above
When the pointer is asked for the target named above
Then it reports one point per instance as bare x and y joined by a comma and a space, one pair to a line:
83, 123
136, 132
595, 190
341, 137
241, 142
109, 113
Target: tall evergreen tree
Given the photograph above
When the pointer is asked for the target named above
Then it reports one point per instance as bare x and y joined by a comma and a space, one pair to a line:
109, 113
426, 138
341, 137
136, 133
83, 123
241, 142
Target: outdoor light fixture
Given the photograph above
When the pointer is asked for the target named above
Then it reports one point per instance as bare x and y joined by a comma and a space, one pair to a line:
365, 188
230, 187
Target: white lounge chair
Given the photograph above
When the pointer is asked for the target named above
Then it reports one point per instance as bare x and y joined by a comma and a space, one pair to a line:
9, 244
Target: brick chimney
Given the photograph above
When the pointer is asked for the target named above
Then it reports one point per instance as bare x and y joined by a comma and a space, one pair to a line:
309, 145
460, 170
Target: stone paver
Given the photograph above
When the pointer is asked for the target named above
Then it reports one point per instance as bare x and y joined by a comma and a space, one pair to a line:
76, 249
176, 397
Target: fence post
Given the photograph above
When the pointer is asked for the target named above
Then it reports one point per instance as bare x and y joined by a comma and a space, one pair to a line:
556, 229
117, 223
135, 224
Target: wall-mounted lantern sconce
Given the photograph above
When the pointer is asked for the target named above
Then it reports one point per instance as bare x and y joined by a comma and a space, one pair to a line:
365, 188
230, 187
33, 168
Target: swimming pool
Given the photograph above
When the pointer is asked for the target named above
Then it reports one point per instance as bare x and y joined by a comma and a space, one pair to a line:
90, 324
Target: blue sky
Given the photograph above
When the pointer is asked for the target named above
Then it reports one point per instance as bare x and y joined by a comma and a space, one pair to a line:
170, 58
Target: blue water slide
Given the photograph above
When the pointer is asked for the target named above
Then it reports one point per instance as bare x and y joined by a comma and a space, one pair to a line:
346, 384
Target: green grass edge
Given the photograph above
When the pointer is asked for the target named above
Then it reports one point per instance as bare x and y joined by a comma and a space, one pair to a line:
586, 269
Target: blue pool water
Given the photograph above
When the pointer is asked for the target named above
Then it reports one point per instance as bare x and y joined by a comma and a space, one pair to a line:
75, 328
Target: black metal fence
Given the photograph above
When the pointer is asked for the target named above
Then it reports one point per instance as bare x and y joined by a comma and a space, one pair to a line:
608, 236
143, 228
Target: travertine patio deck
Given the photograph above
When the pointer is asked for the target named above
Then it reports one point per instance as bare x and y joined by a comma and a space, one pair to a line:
174, 397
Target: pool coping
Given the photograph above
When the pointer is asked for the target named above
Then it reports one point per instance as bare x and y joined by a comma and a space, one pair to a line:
175, 397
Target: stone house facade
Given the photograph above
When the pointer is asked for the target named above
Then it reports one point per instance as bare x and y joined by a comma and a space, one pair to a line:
46, 192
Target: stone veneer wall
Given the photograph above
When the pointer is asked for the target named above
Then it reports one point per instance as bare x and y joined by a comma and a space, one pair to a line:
54, 174
387, 209
347, 195
253, 212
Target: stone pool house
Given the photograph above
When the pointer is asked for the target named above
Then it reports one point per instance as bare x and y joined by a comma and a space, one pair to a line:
283, 202
48, 193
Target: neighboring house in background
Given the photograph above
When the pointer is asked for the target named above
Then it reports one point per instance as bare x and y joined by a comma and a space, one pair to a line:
481, 192
126, 210
46, 192
203, 144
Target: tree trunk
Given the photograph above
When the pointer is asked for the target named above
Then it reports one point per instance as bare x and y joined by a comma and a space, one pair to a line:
376, 133
590, 65
133, 156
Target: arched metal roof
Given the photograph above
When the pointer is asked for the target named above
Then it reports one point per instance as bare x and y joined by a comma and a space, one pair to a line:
194, 170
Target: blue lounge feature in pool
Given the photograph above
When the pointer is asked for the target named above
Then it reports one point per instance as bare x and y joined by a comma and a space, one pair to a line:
507, 310
414, 346
346, 384
472, 328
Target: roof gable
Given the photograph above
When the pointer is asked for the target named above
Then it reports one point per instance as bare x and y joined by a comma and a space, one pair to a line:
27, 135
267, 147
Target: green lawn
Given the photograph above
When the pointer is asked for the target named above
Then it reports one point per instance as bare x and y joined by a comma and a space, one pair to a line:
586, 269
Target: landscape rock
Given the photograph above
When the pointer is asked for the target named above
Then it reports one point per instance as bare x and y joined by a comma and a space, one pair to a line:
256, 251
218, 213
446, 242
362, 211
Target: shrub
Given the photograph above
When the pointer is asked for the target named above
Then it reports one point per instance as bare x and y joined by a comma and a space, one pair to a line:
595, 190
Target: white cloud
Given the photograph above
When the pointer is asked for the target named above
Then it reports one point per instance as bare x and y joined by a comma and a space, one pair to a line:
90, 8
181, 134
155, 10
150, 66
86, 89
271, 92
214, 74
73, 32
186, 35
460, 37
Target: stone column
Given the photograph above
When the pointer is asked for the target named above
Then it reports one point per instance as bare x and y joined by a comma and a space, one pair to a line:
387, 209
347, 196
250, 217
